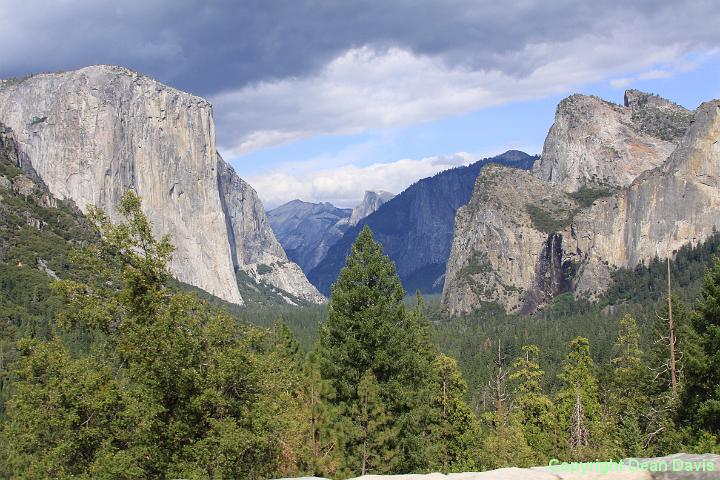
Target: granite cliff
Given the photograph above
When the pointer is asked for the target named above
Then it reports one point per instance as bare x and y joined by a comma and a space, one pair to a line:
93, 133
595, 143
523, 238
415, 227
370, 203
500, 252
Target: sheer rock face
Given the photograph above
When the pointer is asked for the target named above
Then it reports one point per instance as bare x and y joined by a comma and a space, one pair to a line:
597, 143
521, 239
371, 202
665, 208
498, 253
256, 250
94, 133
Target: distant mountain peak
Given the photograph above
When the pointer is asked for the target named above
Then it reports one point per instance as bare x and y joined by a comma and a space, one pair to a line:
416, 226
372, 200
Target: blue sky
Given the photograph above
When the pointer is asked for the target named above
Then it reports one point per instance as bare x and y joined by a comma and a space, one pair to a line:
322, 100
520, 125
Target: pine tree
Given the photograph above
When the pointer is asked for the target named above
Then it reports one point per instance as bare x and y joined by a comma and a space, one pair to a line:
368, 328
628, 379
580, 416
659, 424
370, 437
322, 450
175, 389
456, 432
531, 407
504, 447
701, 395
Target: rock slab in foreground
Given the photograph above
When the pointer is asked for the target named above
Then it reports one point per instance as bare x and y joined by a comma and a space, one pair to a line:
681, 466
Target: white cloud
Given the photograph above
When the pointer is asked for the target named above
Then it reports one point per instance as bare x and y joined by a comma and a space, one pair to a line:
344, 186
367, 88
621, 82
654, 74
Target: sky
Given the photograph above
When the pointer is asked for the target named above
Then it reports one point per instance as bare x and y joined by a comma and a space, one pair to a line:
321, 100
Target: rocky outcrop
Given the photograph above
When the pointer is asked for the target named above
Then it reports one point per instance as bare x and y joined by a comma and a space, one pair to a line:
681, 466
254, 248
509, 243
308, 230
594, 143
370, 203
657, 116
523, 240
94, 133
665, 208
415, 228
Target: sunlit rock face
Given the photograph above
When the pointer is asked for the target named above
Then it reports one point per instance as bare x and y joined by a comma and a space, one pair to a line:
667, 207
522, 239
94, 133
597, 143
370, 203
499, 254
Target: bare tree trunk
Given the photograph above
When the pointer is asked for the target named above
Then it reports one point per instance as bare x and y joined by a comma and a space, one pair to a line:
314, 426
673, 370
500, 375
364, 459
578, 431
365, 454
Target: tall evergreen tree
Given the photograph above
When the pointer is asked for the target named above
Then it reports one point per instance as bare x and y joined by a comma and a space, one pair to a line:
531, 407
369, 329
456, 431
701, 396
580, 415
628, 381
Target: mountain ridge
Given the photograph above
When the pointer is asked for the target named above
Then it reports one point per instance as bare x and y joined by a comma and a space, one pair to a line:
416, 226
93, 133
552, 234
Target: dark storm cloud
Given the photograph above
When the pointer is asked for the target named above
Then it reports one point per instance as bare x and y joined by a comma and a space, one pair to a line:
210, 46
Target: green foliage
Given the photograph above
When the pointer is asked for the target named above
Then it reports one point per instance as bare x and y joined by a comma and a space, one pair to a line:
549, 221
586, 195
178, 389
457, 430
369, 436
627, 400
321, 441
121, 376
263, 269
701, 396
647, 283
580, 417
504, 446
532, 408
37, 238
369, 329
